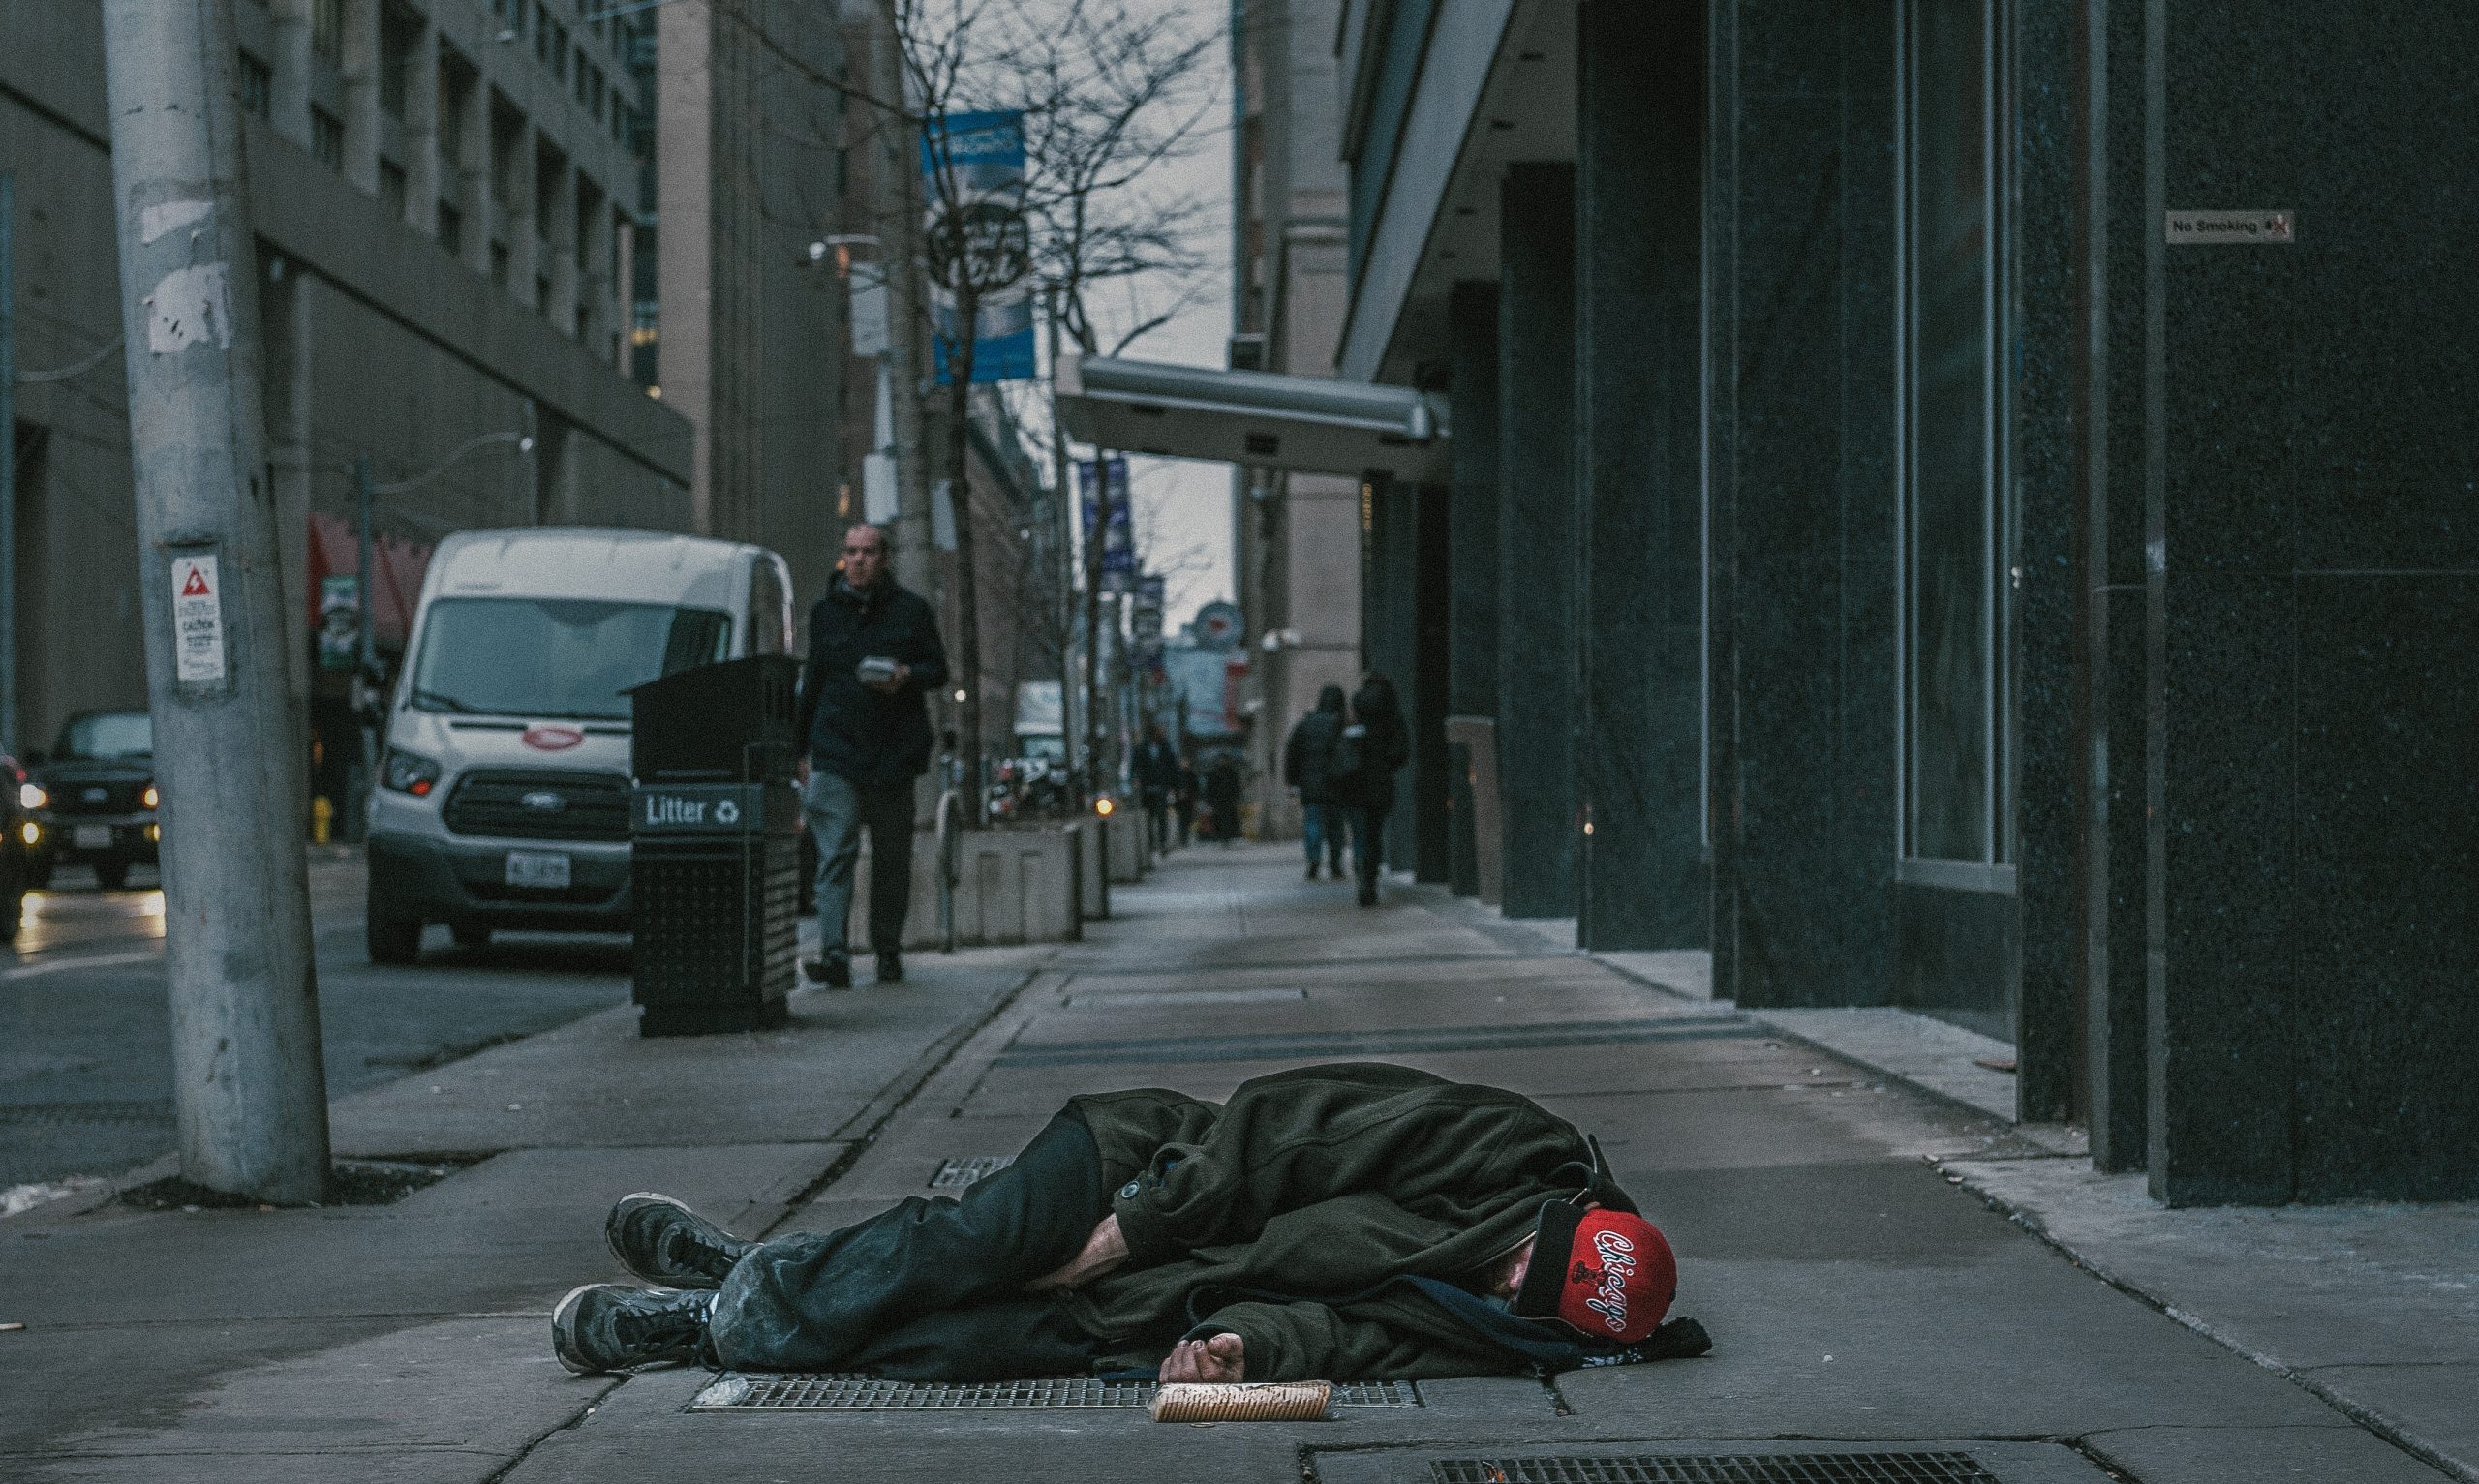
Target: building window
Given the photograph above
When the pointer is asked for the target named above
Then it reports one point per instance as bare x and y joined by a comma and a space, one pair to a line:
392, 189
1956, 480
327, 31
560, 49
499, 263
398, 32
452, 228
326, 137
257, 86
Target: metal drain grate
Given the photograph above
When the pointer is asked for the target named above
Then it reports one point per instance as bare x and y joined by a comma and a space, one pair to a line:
1719, 1469
956, 1174
796, 1392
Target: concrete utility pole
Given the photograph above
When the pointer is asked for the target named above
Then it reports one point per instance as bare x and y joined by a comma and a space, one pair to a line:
246, 1079
9, 737
907, 308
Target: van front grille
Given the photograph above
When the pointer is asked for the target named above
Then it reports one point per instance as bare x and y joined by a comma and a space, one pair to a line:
540, 804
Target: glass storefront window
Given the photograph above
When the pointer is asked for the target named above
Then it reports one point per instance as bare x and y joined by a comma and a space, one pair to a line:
1955, 526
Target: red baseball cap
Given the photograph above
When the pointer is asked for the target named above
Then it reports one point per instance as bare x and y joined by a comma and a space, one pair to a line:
1610, 1275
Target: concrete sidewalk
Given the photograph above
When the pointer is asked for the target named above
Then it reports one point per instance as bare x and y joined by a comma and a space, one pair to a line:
1864, 1304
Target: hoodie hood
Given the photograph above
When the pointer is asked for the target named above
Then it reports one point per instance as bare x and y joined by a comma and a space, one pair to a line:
1330, 699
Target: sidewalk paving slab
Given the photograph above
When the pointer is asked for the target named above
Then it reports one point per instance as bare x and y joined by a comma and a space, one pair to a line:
1845, 1235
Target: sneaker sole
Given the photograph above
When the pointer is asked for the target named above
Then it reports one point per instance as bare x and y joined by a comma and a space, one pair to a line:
564, 1320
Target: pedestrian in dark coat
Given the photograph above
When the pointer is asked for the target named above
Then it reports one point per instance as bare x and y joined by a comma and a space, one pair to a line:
1307, 760
1158, 777
1222, 795
1356, 1220
874, 654
1183, 800
1375, 744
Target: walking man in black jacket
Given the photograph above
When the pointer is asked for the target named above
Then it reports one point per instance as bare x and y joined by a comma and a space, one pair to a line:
873, 650
1347, 1221
1307, 761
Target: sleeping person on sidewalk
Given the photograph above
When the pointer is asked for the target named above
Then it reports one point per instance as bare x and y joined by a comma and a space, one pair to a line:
1351, 1221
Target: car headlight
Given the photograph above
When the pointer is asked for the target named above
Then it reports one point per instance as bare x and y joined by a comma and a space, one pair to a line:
31, 796
408, 773
150, 797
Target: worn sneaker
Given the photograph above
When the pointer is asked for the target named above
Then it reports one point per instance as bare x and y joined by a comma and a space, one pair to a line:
662, 1241
609, 1326
889, 967
834, 973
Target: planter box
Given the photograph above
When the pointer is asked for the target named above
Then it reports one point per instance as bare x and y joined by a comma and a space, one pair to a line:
1014, 886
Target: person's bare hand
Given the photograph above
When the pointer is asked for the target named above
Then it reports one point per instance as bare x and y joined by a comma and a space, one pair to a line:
1106, 1248
1219, 1357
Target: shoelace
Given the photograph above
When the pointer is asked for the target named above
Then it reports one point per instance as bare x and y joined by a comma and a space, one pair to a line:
681, 1324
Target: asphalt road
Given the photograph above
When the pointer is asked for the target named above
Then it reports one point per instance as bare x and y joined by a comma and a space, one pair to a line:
85, 1044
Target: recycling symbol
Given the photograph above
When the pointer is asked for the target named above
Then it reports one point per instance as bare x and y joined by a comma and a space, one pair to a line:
727, 812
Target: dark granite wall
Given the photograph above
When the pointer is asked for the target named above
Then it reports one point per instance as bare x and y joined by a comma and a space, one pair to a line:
2113, 236
1811, 438
1425, 701
1537, 645
1720, 486
1471, 610
1639, 421
2314, 604
1471, 556
2037, 976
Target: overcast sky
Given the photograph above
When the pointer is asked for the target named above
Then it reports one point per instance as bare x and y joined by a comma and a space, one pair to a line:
1184, 508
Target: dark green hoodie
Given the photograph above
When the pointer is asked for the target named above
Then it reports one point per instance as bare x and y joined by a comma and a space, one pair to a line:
1331, 1216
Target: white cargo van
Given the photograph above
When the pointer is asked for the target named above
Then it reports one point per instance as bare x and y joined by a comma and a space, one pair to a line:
503, 792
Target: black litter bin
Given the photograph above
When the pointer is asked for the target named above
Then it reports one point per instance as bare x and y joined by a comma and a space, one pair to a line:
714, 839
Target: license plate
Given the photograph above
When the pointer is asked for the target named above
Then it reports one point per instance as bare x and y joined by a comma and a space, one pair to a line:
538, 868
93, 836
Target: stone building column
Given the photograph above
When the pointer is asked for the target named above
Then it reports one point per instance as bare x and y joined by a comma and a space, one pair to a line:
562, 311
1472, 564
360, 60
473, 169
423, 168
288, 84
1642, 879
1538, 539
524, 199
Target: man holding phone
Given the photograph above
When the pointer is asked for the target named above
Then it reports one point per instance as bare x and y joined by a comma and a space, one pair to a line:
874, 652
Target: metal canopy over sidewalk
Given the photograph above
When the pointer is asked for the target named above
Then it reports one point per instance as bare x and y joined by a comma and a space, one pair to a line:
1302, 424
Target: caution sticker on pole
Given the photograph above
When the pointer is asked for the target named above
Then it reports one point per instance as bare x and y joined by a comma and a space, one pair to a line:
197, 621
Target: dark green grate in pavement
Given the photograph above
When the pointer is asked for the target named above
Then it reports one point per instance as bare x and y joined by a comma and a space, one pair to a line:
806, 1392
956, 1174
1718, 1468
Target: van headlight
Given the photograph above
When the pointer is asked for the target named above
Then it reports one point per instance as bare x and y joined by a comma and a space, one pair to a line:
150, 797
30, 796
408, 773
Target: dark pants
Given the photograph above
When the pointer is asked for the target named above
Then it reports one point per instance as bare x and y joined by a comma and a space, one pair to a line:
838, 809
1368, 842
933, 1288
1157, 819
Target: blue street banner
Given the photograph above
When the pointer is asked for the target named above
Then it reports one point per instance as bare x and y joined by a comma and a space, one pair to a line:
972, 167
1118, 542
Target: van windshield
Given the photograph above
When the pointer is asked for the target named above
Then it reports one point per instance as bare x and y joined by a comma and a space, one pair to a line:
556, 657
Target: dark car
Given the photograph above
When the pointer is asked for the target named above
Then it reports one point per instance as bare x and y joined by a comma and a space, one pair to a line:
17, 835
92, 798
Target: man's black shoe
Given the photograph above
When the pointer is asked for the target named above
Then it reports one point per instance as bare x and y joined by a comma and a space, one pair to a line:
1312, 870
834, 973
662, 1241
1369, 894
609, 1326
889, 967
